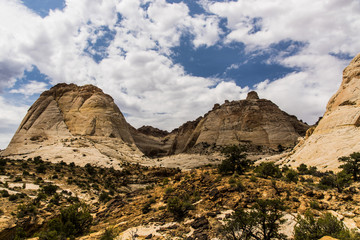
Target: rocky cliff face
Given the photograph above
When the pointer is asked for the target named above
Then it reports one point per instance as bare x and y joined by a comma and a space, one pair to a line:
338, 132
253, 121
74, 122
83, 124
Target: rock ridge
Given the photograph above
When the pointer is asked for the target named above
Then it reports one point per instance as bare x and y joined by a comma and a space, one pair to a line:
337, 133
89, 117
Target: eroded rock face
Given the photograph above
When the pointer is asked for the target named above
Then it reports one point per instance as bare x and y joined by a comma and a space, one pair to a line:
68, 119
72, 123
338, 132
255, 121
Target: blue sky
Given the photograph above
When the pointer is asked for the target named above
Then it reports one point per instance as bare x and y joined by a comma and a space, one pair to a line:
168, 61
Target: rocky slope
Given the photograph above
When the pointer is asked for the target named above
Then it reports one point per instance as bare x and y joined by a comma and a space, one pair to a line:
254, 121
338, 132
135, 200
72, 122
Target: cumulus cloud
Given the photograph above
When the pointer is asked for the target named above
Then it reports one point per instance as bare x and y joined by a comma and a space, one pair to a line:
324, 28
31, 88
135, 64
10, 118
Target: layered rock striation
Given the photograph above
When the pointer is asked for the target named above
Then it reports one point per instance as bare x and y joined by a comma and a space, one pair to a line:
251, 121
338, 132
75, 122
83, 124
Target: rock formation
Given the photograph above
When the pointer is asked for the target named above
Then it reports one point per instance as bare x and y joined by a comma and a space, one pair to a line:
83, 124
338, 132
254, 121
74, 123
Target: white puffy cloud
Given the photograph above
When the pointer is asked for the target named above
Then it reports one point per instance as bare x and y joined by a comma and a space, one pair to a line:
31, 88
10, 118
137, 69
324, 27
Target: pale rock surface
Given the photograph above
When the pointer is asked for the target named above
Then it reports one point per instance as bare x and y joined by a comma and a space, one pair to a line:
255, 121
338, 132
75, 124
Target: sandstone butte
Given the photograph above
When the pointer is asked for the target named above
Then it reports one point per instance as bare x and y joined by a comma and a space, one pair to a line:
84, 125
338, 133
76, 124
252, 121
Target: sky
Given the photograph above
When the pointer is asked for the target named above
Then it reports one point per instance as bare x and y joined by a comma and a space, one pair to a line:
166, 62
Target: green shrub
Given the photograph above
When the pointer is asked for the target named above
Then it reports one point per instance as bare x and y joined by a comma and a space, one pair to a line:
38, 160
340, 181
261, 222
292, 176
41, 168
314, 172
235, 161
178, 207
3, 161
20, 234
74, 221
4, 193
104, 197
309, 228
24, 210
49, 189
303, 169
146, 208
169, 190
314, 205
109, 234
90, 169
352, 165
268, 169
13, 197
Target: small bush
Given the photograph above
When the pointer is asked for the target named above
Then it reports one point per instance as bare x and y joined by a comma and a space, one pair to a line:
4, 193
3, 162
263, 221
13, 197
314, 205
109, 234
303, 169
104, 197
50, 189
169, 190
146, 208
38, 160
178, 207
18, 179
74, 221
309, 228
235, 161
90, 169
41, 168
292, 176
26, 210
268, 169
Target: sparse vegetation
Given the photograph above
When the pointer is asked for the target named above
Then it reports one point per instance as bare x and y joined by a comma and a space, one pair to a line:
235, 161
268, 169
179, 206
109, 234
352, 165
73, 221
309, 228
262, 222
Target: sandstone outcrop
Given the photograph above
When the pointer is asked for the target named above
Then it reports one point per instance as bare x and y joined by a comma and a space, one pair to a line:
74, 123
338, 132
83, 124
251, 121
